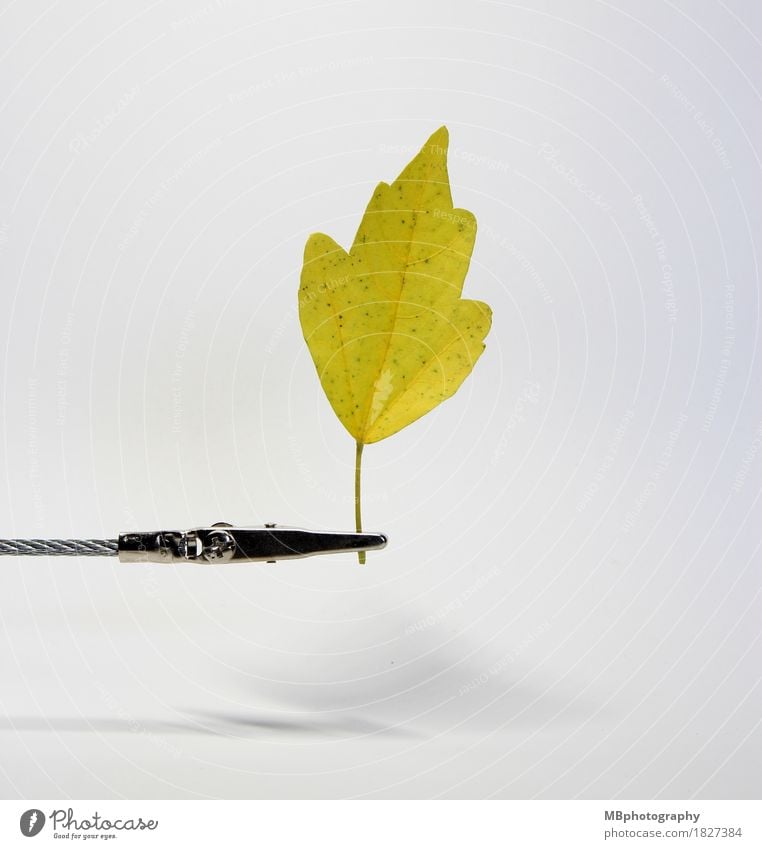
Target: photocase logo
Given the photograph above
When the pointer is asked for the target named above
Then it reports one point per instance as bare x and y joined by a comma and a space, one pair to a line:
382, 389
31, 822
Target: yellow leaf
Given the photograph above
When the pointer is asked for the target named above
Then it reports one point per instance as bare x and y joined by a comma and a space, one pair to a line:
385, 323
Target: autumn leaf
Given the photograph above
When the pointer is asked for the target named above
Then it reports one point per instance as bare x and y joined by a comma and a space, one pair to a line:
389, 333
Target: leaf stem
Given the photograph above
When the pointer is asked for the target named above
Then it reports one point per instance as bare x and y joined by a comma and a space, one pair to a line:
358, 506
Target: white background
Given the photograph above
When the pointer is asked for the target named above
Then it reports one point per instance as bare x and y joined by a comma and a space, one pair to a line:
535, 824
569, 604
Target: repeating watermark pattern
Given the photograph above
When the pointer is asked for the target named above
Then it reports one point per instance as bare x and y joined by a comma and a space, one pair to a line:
698, 116
62, 370
456, 604
488, 162
84, 140
550, 154
662, 464
162, 189
323, 492
199, 15
469, 223
304, 298
728, 341
667, 282
129, 518
33, 453
306, 472
507, 660
530, 395
149, 581
187, 327
298, 73
277, 334
524, 262
607, 463
327, 286
748, 459
135, 725
465, 222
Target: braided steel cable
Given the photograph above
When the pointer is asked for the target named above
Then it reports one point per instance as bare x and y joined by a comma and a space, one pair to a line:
59, 547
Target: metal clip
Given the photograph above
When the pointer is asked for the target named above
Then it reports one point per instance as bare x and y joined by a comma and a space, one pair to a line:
224, 543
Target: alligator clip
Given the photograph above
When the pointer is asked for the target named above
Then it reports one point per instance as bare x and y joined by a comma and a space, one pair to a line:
224, 543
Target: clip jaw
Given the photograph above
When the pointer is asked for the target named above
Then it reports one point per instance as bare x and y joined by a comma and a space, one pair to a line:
224, 543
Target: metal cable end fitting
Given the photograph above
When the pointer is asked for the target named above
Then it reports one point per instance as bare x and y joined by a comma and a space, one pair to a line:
225, 543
